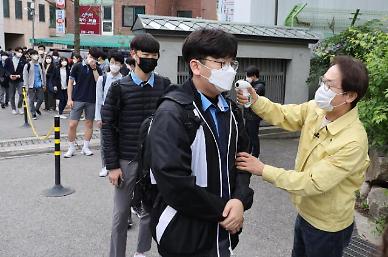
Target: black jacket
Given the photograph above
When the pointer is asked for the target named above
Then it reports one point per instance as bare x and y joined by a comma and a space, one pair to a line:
4, 75
191, 205
125, 107
259, 87
19, 69
56, 78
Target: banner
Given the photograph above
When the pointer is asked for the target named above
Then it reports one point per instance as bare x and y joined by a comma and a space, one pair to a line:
90, 19
60, 21
60, 4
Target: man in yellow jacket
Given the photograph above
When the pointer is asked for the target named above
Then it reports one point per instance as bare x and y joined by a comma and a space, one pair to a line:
331, 161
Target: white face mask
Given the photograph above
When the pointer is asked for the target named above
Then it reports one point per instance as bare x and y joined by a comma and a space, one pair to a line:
64, 63
40, 52
114, 68
4, 57
35, 57
18, 55
222, 78
323, 98
48, 60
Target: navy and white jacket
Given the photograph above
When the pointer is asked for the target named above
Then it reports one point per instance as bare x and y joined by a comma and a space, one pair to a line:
187, 211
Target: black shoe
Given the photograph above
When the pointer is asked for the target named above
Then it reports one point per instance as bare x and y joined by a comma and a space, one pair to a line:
38, 112
34, 117
3, 106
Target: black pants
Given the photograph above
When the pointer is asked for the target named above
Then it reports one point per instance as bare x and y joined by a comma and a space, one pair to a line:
253, 133
62, 96
49, 100
312, 242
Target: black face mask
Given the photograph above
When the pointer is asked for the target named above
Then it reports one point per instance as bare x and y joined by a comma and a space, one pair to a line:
147, 64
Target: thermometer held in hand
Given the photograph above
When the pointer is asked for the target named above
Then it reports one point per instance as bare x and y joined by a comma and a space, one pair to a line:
244, 85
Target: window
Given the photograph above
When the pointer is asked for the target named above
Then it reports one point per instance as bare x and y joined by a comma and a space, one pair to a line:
18, 9
130, 13
6, 8
107, 12
29, 11
42, 13
52, 16
187, 14
107, 20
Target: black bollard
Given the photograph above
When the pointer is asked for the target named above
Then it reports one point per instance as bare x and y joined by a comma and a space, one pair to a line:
57, 190
24, 94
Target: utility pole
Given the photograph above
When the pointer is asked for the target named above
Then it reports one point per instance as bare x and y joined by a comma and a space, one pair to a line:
32, 13
77, 40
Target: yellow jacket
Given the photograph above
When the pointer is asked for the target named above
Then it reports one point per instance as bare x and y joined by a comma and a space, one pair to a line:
330, 164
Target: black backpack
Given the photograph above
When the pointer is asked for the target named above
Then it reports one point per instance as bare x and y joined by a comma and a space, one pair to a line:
145, 191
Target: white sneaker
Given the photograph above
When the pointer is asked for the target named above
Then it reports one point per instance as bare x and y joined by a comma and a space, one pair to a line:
62, 117
86, 151
139, 255
14, 112
103, 172
69, 153
21, 111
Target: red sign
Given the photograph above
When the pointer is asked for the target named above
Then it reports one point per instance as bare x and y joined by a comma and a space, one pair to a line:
60, 4
90, 19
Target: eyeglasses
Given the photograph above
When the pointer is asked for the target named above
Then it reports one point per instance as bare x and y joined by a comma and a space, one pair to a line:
327, 84
233, 64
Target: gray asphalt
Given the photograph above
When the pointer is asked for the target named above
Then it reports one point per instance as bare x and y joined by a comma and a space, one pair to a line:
78, 225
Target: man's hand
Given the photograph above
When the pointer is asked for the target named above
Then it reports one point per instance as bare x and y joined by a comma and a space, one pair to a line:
93, 64
241, 99
114, 176
99, 123
13, 77
70, 103
247, 162
233, 213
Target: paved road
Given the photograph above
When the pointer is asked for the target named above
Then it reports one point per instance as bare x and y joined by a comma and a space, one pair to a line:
79, 225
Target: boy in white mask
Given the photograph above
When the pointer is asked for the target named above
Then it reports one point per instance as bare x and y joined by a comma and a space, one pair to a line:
331, 161
104, 82
202, 196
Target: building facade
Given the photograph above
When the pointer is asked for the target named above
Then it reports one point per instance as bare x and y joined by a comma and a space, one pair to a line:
17, 21
116, 17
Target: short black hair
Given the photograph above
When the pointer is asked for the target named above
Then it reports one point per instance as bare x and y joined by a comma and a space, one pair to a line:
55, 53
41, 46
95, 52
117, 56
3, 53
77, 56
252, 70
32, 52
102, 54
354, 75
209, 42
130, 61
63, 59
18, 48
146, 43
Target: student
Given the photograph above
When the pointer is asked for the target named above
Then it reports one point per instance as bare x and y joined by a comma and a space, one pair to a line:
82, 98
4, 76
137, 95
60, 82
49, 93
331, 161
116, 60
252, 121
202, 196
103, 62
34, 79
14, 65
42, 53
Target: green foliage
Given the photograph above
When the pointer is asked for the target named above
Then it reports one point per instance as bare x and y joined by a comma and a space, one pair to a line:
369, 44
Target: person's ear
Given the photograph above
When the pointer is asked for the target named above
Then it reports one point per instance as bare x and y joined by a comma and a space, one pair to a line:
350, 97
132, 53
195, 67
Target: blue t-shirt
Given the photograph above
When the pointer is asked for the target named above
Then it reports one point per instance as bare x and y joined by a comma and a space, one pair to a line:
37, 77
85, 88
